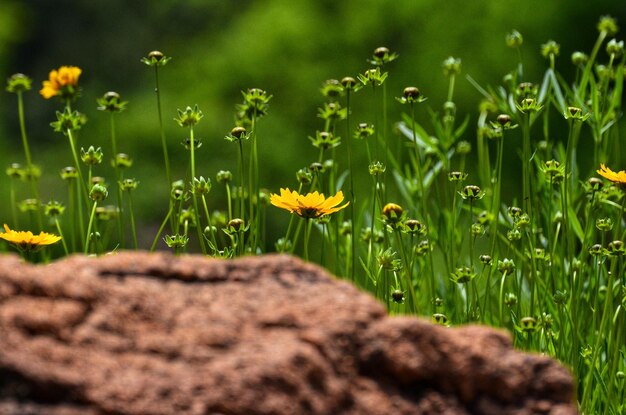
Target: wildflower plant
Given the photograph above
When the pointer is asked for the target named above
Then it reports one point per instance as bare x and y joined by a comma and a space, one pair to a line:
431, 233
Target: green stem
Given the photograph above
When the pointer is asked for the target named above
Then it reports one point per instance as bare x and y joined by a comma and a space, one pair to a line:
160, 231
91, 220
58, 226
29, 162
241, 181
606, 313
132, 219
425, 215
157, 90
83, 186
350, 190
194, 195
208, 218
118, 176
307, 234
409, 280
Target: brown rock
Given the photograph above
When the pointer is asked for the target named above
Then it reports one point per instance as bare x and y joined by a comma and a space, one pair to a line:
150, 334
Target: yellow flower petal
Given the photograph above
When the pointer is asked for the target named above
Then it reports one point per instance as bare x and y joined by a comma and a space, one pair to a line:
27, 240
311, 205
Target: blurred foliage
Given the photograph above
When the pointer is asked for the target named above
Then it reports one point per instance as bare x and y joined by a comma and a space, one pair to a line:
289, 48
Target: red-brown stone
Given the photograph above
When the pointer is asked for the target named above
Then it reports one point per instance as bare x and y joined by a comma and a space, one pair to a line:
151, 334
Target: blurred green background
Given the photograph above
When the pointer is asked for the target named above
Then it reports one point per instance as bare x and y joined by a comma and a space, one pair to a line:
289, 48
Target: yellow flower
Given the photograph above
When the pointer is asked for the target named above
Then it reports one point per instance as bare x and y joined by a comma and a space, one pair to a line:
63, 80
618, 178
27, 241
311, 205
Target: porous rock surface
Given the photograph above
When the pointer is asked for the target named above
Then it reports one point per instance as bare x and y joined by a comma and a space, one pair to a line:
138, 333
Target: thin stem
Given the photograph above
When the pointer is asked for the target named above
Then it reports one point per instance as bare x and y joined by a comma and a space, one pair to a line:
91, 220
208, 218
160, 231
83, 186
29, 162
351, 189
58, 226
132, 219
196, 213
162, 130
118, 176
307, 234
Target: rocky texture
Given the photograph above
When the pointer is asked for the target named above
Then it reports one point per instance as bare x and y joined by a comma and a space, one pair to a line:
138, 333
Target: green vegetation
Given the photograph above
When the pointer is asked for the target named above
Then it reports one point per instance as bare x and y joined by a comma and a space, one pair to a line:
495, 214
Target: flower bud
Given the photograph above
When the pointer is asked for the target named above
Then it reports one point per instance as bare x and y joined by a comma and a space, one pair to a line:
457, 176
316, 167
608, 25
155, 54
579, 58
440, 319
128, 184
376, 168
156, 58
472, 192
550, 48
111, 101
615, 48
595, 184
16, 171
176, 241
237, 133
451, 66
506, 266
189, 117
463, 147
397, 296
392, 213
54, 209
332, 89
122, 160
504, 120
381, 52
98, 192
19, 83
616, 248
514, 39
304, 176
485, 259
414, 227
510, 299
283, 245
514, 211
387, 260
235, 224
224, 176
200, 186
382, 55
363, 130
477, 229
91, 156
463, 275
604, 224
528, 324
596, 250
69, 173
348, 82
422, 248
514, 234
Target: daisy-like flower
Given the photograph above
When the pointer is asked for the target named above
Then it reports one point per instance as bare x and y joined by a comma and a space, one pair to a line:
618, 178
62, 81
27, 241
311, 205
